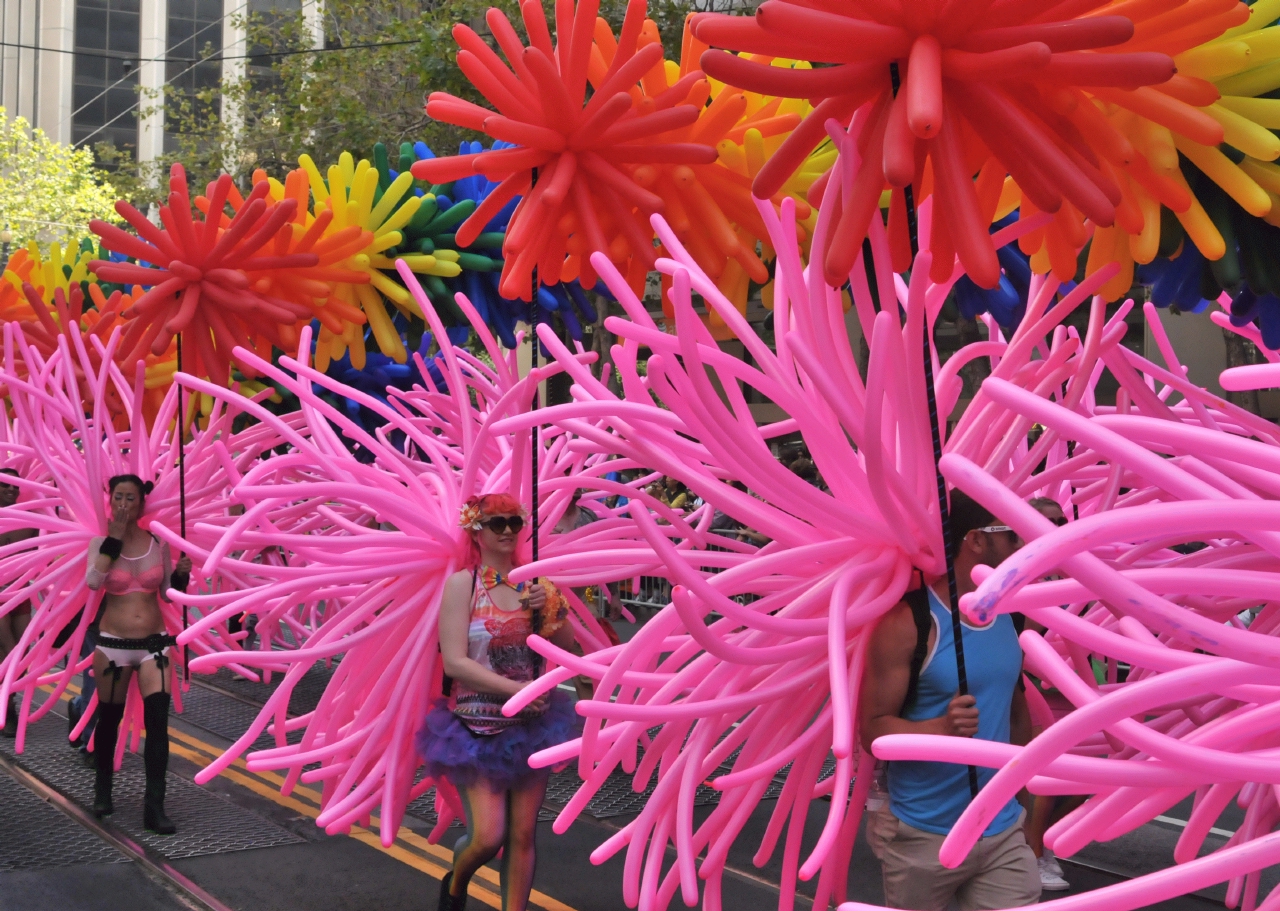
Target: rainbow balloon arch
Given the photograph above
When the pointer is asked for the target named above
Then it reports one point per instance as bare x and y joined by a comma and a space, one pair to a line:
335, 356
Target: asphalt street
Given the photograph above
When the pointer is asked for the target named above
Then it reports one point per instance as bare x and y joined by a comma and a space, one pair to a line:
247, 847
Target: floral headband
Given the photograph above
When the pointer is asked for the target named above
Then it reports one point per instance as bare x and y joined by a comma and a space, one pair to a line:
470, 516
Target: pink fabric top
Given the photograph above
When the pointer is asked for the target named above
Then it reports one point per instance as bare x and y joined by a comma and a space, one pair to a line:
148, 572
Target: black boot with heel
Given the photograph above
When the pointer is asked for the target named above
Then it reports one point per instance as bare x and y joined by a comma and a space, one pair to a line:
104, 752
447, 901
155, 754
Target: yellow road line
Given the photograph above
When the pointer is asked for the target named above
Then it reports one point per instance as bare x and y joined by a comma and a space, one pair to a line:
409, 847
250, 781
268, 783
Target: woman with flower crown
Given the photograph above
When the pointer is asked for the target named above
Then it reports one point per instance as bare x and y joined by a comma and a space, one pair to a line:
485, 622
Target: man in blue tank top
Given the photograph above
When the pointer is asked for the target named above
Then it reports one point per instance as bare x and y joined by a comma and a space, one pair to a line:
927, 798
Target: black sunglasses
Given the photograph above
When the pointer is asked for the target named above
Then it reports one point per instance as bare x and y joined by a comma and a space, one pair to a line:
499, 524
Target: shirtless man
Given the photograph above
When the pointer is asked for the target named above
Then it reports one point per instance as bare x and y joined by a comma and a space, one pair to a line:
14, 623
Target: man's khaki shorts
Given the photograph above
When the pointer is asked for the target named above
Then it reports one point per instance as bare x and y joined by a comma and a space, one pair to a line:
1000, 871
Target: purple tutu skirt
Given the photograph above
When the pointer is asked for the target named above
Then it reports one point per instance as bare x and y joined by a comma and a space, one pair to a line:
451, 751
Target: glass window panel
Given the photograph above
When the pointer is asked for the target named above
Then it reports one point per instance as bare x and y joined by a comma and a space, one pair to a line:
93, 103
82, 95
116, 71
180, 32
91, 28
208, 42
208, 38
119, 100
90, 70
124, 137
122, 32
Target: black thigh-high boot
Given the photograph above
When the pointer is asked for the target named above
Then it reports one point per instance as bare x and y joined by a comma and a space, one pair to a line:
155, 755
104, 752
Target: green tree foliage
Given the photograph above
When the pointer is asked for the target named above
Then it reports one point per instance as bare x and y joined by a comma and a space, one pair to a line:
48, 191
367, 84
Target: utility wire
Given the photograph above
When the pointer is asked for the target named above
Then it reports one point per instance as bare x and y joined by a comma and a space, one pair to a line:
118, 55
128, 58
318, 50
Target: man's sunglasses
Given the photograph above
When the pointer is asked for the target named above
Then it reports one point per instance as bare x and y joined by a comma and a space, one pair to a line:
499, 524
992, 529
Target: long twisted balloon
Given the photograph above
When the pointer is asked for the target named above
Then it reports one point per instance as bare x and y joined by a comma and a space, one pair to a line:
371, 538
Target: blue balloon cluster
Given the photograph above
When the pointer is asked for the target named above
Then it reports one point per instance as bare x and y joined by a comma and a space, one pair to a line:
1176, 281
1247, 269
381, 373
1247, 306
1007, 301
1180, 281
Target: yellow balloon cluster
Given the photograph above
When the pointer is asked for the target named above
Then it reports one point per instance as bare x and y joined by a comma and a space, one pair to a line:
58, 269
350, 196
349, 222
1210, 114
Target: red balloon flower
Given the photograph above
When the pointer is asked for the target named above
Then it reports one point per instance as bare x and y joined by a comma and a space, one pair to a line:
202, 276
583, 154
979, 79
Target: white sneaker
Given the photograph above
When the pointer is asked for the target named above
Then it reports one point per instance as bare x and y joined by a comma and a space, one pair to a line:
1051, 881
1053, 864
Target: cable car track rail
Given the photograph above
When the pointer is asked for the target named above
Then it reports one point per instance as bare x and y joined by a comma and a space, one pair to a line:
151, 863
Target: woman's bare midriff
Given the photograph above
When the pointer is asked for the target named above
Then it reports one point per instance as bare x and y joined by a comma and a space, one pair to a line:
135, 615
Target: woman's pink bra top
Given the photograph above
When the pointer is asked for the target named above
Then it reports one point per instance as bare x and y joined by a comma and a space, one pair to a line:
136, 574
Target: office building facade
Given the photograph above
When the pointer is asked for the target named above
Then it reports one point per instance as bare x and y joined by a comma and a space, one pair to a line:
89, 71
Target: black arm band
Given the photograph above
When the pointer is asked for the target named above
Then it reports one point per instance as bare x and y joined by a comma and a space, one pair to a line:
111, 547
179, 580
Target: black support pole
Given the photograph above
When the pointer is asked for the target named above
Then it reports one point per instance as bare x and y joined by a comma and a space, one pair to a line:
537, 403
539, 662
944, 511
182, 507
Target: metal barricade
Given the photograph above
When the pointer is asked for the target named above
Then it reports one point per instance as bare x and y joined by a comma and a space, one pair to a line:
654, 592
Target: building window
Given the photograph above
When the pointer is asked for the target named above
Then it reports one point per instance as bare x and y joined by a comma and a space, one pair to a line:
105, 82
195, 34
269, 17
